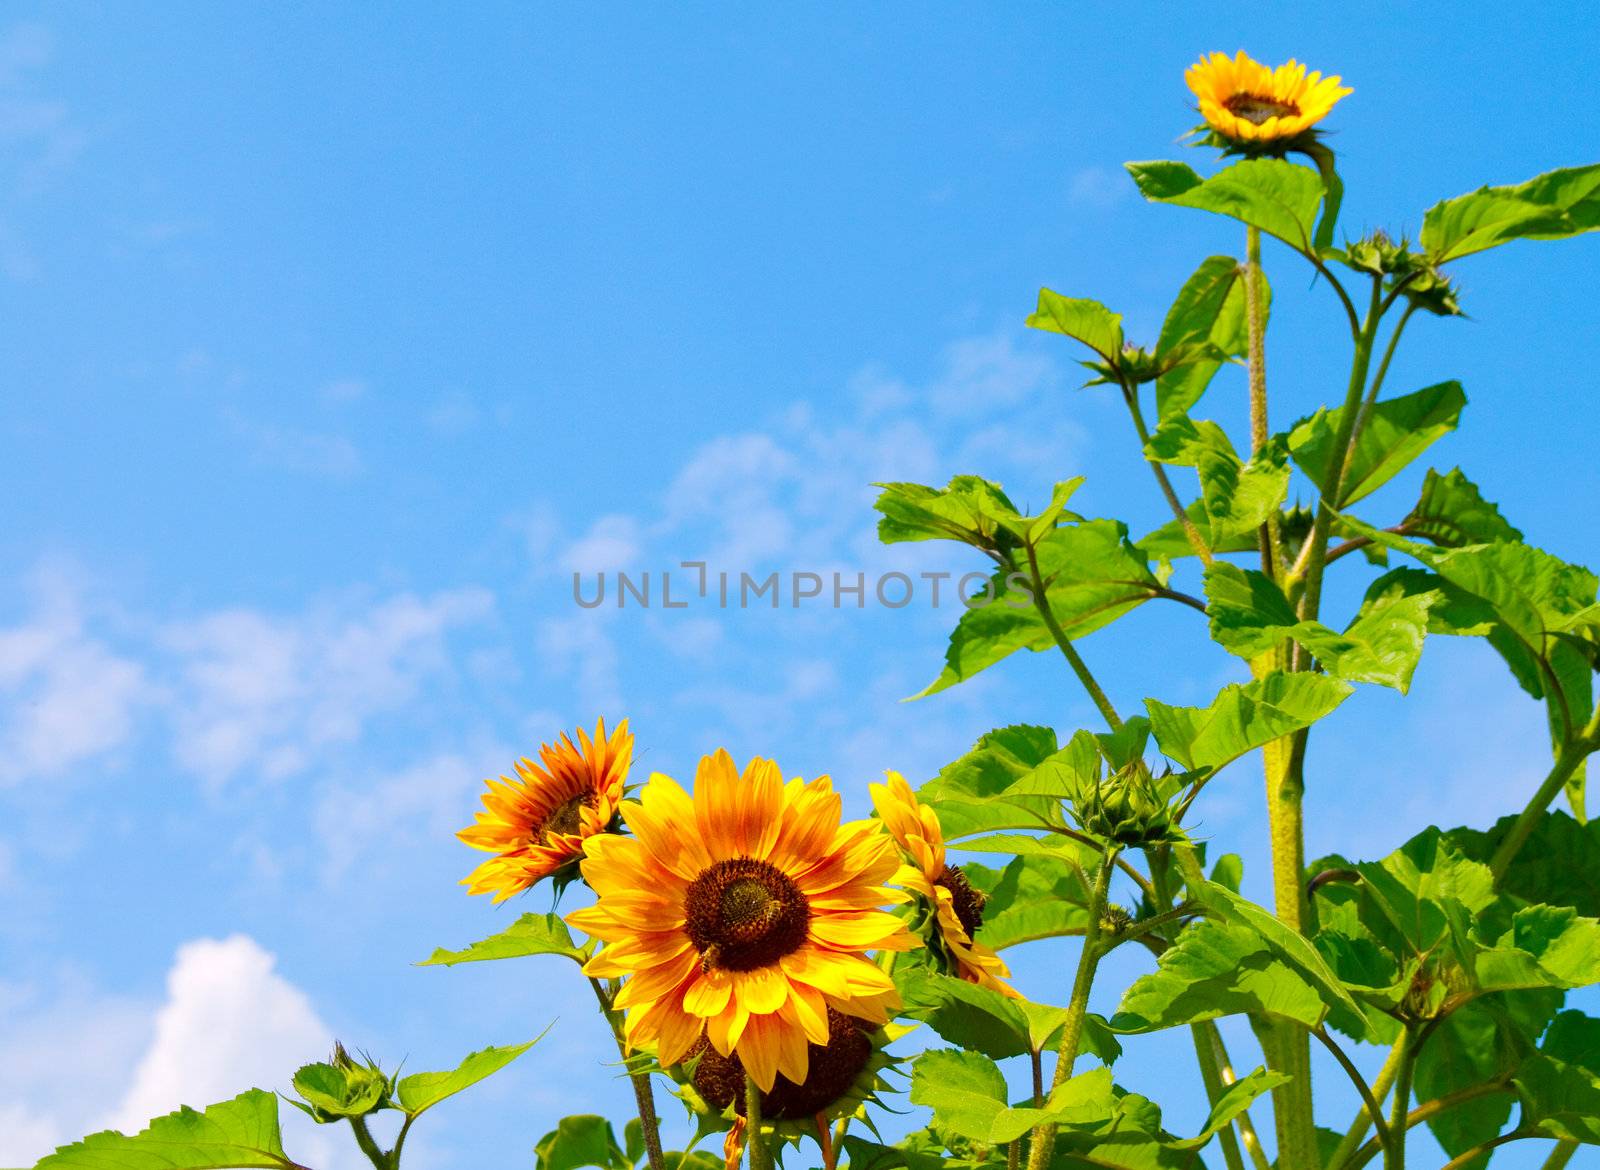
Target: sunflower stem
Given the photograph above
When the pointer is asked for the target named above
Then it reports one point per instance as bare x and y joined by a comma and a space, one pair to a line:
368, 1145
643, 1094
1394, 1154
1256, 327
1044, 1136
1074, 659
1130, 395
760, 1158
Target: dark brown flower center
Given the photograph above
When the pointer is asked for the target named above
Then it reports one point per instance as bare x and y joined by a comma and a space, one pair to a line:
742, 914
566, 817
968, 901
831, 1070
1254, 107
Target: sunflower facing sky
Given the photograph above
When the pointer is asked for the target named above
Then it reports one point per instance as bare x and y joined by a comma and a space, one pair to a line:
742, 914
536, 824
957, 908
1251, 104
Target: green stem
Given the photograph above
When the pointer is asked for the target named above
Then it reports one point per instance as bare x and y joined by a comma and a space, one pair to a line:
1416, 1117
643, 1094
760, 1156
1560, 1156
400, 1140
369, 1147
1394, 1154
1374, 1109
1074, 659
1371, 399
1358, 1128
1567, 761
1077, 1008
1470, 1156
1211, 1076
1247, 1129
1130, 395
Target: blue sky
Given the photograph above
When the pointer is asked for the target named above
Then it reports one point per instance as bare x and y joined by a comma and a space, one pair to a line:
336, 338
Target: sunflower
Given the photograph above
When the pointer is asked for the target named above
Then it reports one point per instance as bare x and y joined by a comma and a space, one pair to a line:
1252, 106
536, 824
957, 908
742, 913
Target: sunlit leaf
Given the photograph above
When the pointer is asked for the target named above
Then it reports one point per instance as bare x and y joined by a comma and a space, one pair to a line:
968, 1095
1452, 512
423, 1090
1086, 321
242, 1132
1551, 207
1207, 323
531, 934
1243, 717
963, 792
969, 509
1238, 495
578, 1141
1396, 431
1031, 898
1279, 197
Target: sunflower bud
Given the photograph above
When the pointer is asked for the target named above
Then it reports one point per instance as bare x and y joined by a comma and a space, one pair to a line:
1432, 290
343, 1087
1125, 808
1380, 255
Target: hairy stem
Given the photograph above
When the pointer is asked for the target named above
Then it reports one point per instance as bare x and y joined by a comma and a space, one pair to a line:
1211, 1076
1255, 303
1417, 1116
1074, 659
1374, 1109
643, 1095
1371, 399
760, 1158
1560, 1156
369, 1147
1358, 1128
1077, 1008
1470, 1156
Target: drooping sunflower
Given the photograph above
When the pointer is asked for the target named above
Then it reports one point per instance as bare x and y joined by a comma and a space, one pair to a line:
536, 824
742, 913
955, 907
1253, 106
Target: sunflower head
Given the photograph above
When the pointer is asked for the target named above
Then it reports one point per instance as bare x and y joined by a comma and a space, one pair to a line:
951, 907
1251, 108
742, 915
536, 824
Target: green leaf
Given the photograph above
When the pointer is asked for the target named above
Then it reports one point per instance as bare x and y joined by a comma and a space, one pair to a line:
1559, 864
242, 1132
1249, 615
423, 1090
1559, 1100
963, 792
968, 1095
970, 510
1215, 970
1031, 898
581, 1140
1171, 541
1205, 326
1234, 1101
1397, 430
1553, 206
869, 1155
1276, 196
1238, 496
1452, 512
1243, 717
531, 934
983, 1020
1288, 946
1087, 321
1092, 576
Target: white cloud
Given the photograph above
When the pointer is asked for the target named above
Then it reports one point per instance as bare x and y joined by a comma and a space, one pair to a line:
230, 1022
69, 696
302, 452
342, 390
611, 543
267, 689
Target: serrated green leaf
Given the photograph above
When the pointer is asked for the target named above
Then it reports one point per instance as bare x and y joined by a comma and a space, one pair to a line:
968, 1096
1397, 430
1238, 496
581, 1140
983, 1020
1216, 970
1092, 576
242, 1132
1086, 321
1559, 1100
1243, 717
1559, 865
1031, 898
1206, 325
963, 793
969, 509
1452, 512
531, 934
423, 1090
1279, 197
1234, 1101
1551, 207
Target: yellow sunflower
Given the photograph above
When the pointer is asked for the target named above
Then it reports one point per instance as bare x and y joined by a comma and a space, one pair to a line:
1249, 104
536, 824
957, 907
742, 913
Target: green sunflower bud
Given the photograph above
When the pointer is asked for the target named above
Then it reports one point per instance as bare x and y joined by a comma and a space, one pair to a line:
1432, 290
1125, 808
342, 1087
